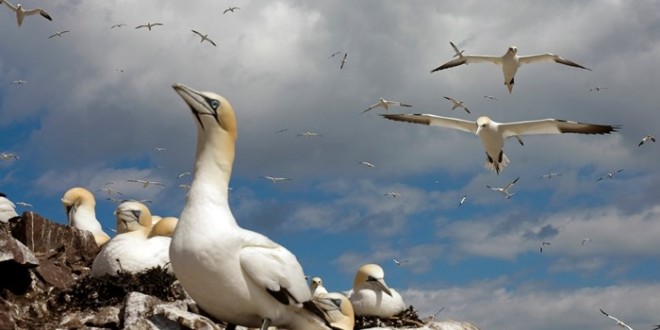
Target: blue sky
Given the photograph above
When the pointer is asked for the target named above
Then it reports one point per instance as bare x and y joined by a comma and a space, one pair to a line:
81, 121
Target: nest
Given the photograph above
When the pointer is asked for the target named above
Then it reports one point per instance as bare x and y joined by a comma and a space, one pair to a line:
406, 319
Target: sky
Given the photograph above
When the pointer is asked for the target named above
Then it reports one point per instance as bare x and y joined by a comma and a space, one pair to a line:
98, 102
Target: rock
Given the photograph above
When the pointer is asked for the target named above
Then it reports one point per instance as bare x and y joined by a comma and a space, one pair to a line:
16, 260
146, 312
104, 317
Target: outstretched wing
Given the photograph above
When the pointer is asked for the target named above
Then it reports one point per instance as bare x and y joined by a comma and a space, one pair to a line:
433, 120
469, 59
553, 126
548, 58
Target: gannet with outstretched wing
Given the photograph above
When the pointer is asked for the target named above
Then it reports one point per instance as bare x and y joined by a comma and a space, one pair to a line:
21, 13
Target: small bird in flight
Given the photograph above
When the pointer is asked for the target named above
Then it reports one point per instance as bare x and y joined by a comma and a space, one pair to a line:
542, 244
505, 190
275, 179
230, 9
585, 240
146, 183
457, 104
204, 37
609, 175
24, 204
597, 89
118, 25
20, 82
549, 175
148, 25
21, 13
399, 262
618, 322
334, 54
394, 195
58, 34
462, 200
367, 164
183, 174
386, 104
343, 61
281, 130
309, 134
490, 97
646, 139
8, 155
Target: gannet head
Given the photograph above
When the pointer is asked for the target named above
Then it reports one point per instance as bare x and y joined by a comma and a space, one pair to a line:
76, 196
371, 276
164, 227
316, 282
482, 122
338, 310
513, 50
209, 108
132, 216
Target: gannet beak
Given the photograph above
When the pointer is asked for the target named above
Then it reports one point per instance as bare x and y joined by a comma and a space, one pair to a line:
478, 130
380, 284
198, 103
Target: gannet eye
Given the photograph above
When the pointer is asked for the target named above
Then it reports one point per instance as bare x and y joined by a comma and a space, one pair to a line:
136, 213
214, 104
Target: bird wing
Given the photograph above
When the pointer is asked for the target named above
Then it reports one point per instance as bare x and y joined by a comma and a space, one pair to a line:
553, 126
433, 120
548, 58
211, 41
197, 33
10, 5
275, 269
156, 24
38, 11
458, 52
141, 26
469, 59
511, 184
371, 107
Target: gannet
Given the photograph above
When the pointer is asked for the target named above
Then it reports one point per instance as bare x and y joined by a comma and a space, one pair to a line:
334, 54
492, 133
490, 97
80, 210
58, 34
24, 204
316, 287
132, 250
181, 175
457, 104
184, 186
7, 209
164, 227
393, 194
597, 89
146, 183
618, 322
281, 130
21, 13
510, 62
462, 201
231, 9
160, 149
20, 82
371, 296
386, 104
337, 309
118, 25
609, 175
309, 134
233, 274
275, 179
542, 244
646, 139
458, 53
148, 25
399, 262
343, 61
505, 190
111, 191
204, 37
367, 164
549, 175
585, 240
8, 155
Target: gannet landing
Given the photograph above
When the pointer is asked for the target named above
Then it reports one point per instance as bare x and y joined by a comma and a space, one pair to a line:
646, 139
7, 209
132, 250
235, 275
492, 134
21, 13
510, 62
58, 34
204, 37
148, 25
371, 296
505, 190
618, 322
80, 210
316, 287
386, 104
457, 104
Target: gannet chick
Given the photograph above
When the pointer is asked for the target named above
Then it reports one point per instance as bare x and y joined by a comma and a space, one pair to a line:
164, 227
21, 13
371, 296
233, 274
132, 251
7, 209
80, 210
316, 287
338, 310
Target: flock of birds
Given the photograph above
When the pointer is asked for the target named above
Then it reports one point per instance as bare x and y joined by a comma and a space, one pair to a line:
241, 276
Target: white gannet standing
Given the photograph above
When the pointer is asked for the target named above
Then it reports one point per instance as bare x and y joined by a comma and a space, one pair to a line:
510, 62
492, 133
385, 104
164, 227
233, 274
371, 296
148, 25
618, 322
7, 209
21, 13
338, 310
457, 104
204, 37
132, 251
505, 190
80, 210
316, 287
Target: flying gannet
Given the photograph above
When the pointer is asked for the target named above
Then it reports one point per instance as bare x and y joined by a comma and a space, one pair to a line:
343, 61
542, 244
24, 204
646, 139
392, 194
233, 274
458, 53
385, 104
7, 209
118, 25
367, 164
309, 134
230, 9
204, 37
550, 175
58, 34
597, 89
510, 62
337, 309
334, 54
505, 190
399, 262
21, 13
371, 296
80, 204
585, 240
148, 25
316, 287
618, 322
457, 104
609, 175
146, 183
8, 156
492, 133
275, 179
490, 97
462, 201
131, 250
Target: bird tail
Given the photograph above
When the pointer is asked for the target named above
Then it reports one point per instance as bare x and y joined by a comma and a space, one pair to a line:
497, 165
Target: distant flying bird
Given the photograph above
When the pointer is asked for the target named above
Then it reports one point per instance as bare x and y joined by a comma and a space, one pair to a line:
19, 82
490, 97
281, 130
618, 322
334, 54
231, 9
505, 190
393, 194
309, 134
459, 53
21, 13
597, 89
609, 175
204, 37
646, 139
148, 25
181, 175
457, 104
492, 133
146, 183
58, 34
24, 204
510, 62
549, 175
160, 149
542, 244
343, 61
367, 164
185, 186
275, 179
399, 262
386, 104
8, 156
462, 200
120, 70
118, 25
585, 240
110, 191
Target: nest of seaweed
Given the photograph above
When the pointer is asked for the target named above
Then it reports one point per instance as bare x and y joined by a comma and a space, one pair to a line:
406, 319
